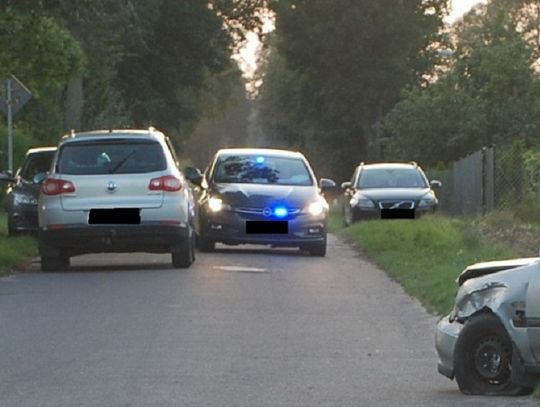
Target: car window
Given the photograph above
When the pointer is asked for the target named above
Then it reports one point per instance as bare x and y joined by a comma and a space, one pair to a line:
391, 178
107, 157
260, 169
35, 164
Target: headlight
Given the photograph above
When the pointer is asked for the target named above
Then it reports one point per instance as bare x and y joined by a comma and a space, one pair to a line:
315, 208
362, 203
427, 201
24, 199
215, 204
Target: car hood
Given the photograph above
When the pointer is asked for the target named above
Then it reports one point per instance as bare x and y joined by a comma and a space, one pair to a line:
258, 195
490, 267
378, 194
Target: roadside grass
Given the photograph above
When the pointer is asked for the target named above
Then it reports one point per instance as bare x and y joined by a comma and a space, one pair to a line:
14, 251
424, 255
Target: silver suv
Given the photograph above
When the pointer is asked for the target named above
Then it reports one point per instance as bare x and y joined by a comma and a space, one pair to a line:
115, 191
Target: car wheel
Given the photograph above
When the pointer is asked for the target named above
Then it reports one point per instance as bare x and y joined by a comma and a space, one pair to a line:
11, 231
483, 359
206, 245
54, 263
317, 249
185, 256
348, 216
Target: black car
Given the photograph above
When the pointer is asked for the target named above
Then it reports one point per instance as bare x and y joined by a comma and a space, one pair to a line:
261, 196
388, 190
23, 191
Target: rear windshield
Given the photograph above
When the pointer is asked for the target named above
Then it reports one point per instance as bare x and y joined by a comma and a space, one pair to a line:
111, 157
260, 169
391, 178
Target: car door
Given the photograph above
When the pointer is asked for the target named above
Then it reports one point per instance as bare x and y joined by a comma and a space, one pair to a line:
533, 312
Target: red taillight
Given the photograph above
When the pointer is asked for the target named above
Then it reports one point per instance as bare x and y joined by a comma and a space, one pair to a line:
53, 186
165, 183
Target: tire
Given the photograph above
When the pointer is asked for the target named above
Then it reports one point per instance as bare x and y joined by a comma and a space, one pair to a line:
206, 245
11, 231
483, 359
185, 256
348, 216
54, 263
317, 249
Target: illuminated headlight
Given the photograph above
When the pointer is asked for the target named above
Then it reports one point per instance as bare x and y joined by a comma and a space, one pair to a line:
315, 208
24, 199
427, 201
215, 204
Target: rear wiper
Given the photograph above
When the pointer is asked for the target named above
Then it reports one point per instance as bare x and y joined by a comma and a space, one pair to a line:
121, 162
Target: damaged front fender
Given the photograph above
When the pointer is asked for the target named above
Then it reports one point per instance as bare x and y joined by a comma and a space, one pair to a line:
488, 296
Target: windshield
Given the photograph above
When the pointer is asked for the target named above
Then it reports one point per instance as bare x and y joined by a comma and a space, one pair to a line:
121, 157
258, 169
391, 178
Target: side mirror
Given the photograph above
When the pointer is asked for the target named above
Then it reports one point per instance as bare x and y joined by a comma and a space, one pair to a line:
39, 177
6, 176
346, 185
325, 184
435, 184
194, 175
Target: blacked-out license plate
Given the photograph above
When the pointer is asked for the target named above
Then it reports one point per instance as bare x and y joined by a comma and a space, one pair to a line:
116, 216
397, 213
267, 227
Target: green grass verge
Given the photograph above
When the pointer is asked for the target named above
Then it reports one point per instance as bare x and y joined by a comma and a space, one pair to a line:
14, 251
424, 255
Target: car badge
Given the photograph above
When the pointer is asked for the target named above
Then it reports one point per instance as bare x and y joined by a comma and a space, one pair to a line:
111, 186
267, 212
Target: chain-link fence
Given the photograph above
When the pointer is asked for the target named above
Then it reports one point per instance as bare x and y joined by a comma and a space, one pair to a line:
503, 178
468, 186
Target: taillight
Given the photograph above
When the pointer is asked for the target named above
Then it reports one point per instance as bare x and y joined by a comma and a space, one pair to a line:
165, 183
53, 186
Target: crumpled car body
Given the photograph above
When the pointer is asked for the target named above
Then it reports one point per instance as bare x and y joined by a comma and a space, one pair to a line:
490, 342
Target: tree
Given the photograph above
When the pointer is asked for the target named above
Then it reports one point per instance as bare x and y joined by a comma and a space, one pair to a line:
347, 62
489, 96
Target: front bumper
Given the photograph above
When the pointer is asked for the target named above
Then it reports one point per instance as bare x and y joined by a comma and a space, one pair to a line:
375, 212
230, 228
445, 342
151, 237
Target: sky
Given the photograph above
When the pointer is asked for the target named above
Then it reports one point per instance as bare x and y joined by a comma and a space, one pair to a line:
460, 7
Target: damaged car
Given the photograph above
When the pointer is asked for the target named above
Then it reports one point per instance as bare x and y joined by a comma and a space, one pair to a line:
490, 342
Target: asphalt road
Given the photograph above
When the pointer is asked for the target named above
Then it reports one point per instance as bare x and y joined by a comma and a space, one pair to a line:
241, 327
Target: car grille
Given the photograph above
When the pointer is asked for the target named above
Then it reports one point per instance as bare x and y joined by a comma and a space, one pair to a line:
254, 212
395, 204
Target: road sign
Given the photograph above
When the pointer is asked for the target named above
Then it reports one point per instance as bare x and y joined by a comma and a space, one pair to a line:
16, 95
18, 98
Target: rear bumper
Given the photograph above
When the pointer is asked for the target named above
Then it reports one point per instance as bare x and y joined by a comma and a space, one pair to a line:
81, 239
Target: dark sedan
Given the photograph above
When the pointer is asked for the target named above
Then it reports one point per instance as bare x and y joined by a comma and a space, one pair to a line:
23, 191
388, 190
261, 196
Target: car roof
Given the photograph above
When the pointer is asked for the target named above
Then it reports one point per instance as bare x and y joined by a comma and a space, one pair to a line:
390, 165
260, 151
38, 150
113, 133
